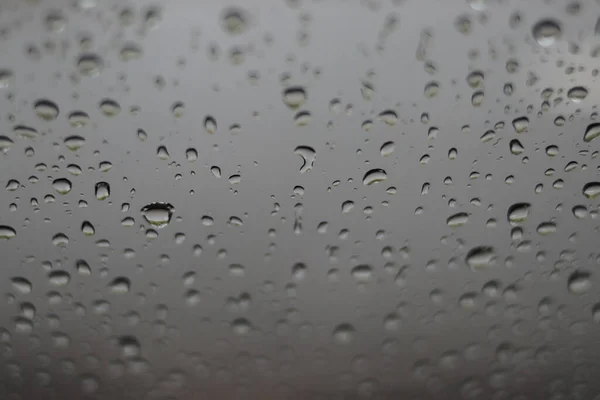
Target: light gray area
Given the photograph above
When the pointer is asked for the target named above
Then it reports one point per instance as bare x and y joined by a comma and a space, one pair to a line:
271, 308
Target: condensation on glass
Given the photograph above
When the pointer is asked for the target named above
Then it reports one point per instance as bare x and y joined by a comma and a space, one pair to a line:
299, 199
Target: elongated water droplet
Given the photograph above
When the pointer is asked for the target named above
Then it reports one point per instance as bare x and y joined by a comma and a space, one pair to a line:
362, 273
21, 285
59, 278
7, 232
546, 228
591, 190
591, 132
78, 119
374, 176
130, 52
480, 257
210, 124
457, 220
389, 117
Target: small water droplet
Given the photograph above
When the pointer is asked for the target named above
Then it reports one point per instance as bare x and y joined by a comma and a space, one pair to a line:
210, 124
74, 142
87, 228
387, 148
110, 107
458, 219
90, 64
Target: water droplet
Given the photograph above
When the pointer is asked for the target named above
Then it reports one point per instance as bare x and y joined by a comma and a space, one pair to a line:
347, 206
308, 155
480, 257
520, 124
158, 214
344, 334
387, 148
25, 132
46, 109
90, 64
362, 273
577, 94
191, 154
374, 176
431, 89
162, 153
216, 171
518, 213
60, 240
87, 228
102, 191
546, 32
120, 285
389, 117
516, 147
109, 107
7, 232
477, 99
241, 327
546, 228
74, 142
78, 119
294, 97
22, 285
62, 185
234, 21
130, 52
591, 132
210, 124
302, 118
458, 219
552, 151
5, 143
591, 190
580, 212
580, 282
475, 79
6, 78
477, 5
59, 278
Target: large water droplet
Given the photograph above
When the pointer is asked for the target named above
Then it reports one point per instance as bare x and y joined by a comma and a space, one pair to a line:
577, 94
46, 109
308, 155
591, 190
518, 213
374, 176
579, 282
102, 190
90, 64
294, 97
62, 185
546, 32
22, 285
158, 214
480, 257
59, 278
344, 334
7, 232
591, 132
457, 220
120, 285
